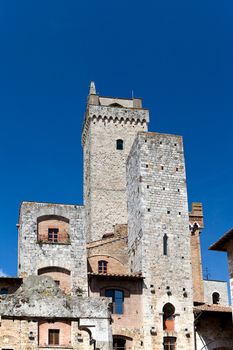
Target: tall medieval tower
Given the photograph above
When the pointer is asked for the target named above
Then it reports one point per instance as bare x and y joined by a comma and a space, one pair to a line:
110, 127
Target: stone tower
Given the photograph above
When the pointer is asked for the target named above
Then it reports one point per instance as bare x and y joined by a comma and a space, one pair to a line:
159, 237
110, 127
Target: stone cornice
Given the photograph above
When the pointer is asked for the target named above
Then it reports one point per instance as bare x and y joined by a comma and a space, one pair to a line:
115, 115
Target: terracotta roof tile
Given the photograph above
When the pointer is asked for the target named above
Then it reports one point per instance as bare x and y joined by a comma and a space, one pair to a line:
212, 308
122, 275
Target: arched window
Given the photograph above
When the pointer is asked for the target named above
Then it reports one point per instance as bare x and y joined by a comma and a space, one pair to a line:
169, 343
102, 266
168, 317
215, 297
119, 144
117, 300
165, 238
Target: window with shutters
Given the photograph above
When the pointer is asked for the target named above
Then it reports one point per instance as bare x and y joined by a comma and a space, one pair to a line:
53, 336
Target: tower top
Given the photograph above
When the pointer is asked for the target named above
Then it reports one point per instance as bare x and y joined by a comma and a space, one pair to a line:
92, 89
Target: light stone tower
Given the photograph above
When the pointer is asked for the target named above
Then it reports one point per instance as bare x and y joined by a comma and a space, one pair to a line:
110, 127
159, 239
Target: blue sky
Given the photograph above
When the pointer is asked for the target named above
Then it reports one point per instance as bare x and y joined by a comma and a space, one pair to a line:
176, 55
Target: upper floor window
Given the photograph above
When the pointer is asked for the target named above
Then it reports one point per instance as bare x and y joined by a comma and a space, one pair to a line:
168, 317
165, 238
53, 336
53, 229
169, 343
102, 266
119, 144
216, 297
53, 234
4, 291
117, 300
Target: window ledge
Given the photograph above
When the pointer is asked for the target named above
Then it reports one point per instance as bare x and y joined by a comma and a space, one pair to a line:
53, 243
55, 347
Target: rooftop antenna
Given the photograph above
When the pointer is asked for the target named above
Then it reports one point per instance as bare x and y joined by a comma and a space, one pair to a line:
132, 95
206, 273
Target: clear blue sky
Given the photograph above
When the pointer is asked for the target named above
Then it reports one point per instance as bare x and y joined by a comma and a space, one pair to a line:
176, 55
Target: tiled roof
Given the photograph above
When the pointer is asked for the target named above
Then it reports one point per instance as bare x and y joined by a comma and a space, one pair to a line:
212, 308
220, 244
121, 275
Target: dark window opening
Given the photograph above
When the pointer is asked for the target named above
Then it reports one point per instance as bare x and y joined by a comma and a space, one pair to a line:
119, 144
216, 298
165, 239
169, 343
117, 300
102, 266
54, 336
168, 317
53, 234
57, 282
118, 343
4, 291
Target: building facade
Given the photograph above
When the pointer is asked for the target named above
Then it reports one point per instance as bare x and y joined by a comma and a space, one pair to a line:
124, 270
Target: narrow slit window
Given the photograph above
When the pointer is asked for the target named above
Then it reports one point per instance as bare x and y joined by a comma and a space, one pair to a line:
165, 239
119, 144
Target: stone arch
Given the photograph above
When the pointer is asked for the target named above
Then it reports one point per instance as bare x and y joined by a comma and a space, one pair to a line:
53, 228
60, 275
169, 317
114, 264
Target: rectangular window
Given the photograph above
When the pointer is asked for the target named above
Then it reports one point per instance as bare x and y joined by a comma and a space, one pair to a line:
169, 343
54, 336
117, 300
102, 266
53, 234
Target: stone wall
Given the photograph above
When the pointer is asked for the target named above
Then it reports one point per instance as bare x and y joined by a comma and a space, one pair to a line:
104, 165
34, 254
157, 205
219, 287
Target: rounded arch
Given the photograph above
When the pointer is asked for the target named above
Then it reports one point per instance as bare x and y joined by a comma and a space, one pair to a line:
53, 229
169, 317
43, 270
121, 342
60, 275
119, 144
52, 217
113, 264
215, 297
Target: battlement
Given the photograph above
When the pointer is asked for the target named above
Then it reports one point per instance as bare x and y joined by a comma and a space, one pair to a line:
113, 110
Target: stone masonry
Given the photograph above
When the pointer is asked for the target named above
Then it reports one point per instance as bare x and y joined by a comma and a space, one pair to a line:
157, 205
104, 165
